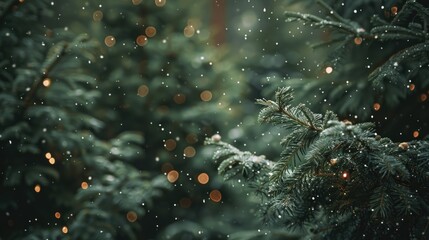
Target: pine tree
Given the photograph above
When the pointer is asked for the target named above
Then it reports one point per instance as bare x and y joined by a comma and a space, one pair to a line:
336, 179
59, 178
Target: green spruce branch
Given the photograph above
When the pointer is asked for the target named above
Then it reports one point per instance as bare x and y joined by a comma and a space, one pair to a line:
347, 173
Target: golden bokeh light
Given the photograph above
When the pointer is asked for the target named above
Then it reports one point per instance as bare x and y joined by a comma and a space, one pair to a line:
160, 3
179, 98
376, 106
46, 82
215, 195
131, 216
37, 188
48, 155
170, 144
52, 161
137, 2
412, 87
345, 175
203, 178
206, 95
423, 97
394, 10
141, 40
416, 134
84, 185
150, 31
358, 40
110, 41
189, 31
185, 202
142, 91
189, 151
57, 215
64, 230
329, 70
172, 176
97, 15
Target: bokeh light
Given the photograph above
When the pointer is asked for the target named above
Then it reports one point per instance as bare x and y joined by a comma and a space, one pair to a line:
131, 216
97, 15
172, 176
189, 31
84, 185
215, 195
142, 91
189, 151
150, 31
110, 41
170, 144
141, 40
206, 95
160, 3
37, 188
203, 178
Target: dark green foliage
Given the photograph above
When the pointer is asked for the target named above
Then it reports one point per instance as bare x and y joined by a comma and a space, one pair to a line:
53, 159
348, 182
382, 61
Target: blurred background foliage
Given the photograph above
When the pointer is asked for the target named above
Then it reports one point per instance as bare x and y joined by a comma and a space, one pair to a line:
106, 104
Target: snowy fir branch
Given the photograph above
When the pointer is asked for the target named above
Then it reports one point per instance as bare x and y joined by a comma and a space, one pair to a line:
348, 182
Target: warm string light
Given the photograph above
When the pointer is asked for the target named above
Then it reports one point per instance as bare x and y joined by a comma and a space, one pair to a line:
46, 82
97, 16
160, 3
358, 40
329, 70
206, 95
403, 145
37, 188
203, 178
57, 215
143, 91
172, 176
345, 175
170, 144
376, 106
189, 31
65, 230
416, 134
215, 195
150, 31
141, 40
84, 185
189, 151
131, 216
110, 41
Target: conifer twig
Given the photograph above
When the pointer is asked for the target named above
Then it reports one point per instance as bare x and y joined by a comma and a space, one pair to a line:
45, 73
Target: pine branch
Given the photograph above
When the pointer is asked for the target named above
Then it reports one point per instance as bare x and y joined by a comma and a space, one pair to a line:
57, 53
